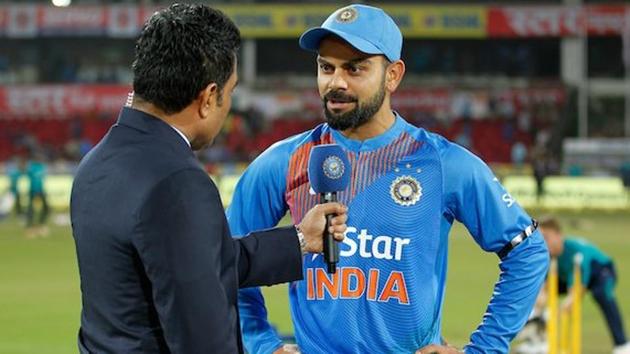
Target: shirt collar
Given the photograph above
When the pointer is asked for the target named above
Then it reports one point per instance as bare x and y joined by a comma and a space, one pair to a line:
181, 134
372, 143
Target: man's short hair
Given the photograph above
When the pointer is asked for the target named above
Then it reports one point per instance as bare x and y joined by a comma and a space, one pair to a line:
550, 223
181, 50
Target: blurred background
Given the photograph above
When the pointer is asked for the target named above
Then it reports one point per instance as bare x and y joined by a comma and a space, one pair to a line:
538, 89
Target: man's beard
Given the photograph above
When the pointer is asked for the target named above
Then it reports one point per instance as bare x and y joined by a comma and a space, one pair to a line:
361, 114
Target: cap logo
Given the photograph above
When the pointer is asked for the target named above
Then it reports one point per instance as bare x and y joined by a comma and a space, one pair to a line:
347, 15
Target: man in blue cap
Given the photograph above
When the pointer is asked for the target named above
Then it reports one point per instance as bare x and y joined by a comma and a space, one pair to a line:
408, 186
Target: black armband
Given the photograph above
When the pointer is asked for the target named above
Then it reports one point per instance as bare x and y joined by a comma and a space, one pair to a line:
518, 239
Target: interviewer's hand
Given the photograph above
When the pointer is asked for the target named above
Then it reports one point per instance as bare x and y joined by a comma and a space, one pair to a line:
314, 222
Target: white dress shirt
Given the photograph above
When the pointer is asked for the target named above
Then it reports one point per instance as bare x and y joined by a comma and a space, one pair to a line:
182, 135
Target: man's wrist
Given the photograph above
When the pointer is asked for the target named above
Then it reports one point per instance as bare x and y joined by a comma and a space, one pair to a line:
301, 239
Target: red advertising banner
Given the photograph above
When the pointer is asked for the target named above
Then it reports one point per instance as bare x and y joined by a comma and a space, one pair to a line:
22, 21
124, 21
476, 101
606, 20
25, 21
528, 21
555, 21
3, 19
61, 100
425, 100
84, 20
525, 96
454, 102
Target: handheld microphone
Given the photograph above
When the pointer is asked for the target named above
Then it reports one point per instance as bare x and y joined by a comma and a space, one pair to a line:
329, 173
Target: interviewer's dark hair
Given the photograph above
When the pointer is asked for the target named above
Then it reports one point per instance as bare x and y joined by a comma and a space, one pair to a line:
181, 50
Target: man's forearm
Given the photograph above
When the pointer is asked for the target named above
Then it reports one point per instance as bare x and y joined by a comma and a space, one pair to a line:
522, 274
269, 257
258, 335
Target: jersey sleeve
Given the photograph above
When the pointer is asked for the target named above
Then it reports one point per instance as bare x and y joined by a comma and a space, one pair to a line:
258, 203
476, 198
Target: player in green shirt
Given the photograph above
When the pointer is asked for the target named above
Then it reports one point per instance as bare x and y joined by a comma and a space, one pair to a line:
36, 172
598, 276
15, 172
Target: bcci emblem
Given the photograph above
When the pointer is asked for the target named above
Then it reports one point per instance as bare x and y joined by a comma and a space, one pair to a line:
333, 167
347, 15
406, 190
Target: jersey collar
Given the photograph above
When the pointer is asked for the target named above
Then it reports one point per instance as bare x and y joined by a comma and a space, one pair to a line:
374, 143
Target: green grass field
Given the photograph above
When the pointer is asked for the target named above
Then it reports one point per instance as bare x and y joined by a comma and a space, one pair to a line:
40, 297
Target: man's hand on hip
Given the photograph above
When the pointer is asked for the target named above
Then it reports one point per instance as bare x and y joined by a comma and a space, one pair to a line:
288, 349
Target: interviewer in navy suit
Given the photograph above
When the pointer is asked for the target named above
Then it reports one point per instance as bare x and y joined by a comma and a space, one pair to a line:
159, 270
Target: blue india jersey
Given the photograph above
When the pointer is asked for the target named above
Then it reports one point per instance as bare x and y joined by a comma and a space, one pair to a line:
407, 188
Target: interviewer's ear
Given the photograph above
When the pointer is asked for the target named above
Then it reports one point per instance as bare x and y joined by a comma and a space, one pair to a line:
208, 99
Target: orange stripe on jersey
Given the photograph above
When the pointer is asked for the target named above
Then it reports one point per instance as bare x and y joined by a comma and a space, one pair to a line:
369, 166
366, 167
353, 163
297, 193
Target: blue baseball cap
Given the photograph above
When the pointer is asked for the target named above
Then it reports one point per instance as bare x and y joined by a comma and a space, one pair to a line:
368, 29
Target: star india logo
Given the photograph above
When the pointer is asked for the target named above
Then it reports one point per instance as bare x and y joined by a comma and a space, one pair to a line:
333, 167
405, 190
347, 15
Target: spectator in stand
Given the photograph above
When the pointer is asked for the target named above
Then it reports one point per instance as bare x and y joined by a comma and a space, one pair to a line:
540, 170
464, 138
519, 154
523, 120
85, 145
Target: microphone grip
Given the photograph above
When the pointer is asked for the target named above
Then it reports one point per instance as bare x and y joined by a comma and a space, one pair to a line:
331, 248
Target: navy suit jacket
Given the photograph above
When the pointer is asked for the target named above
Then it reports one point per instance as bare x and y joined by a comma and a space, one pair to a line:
159, 270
